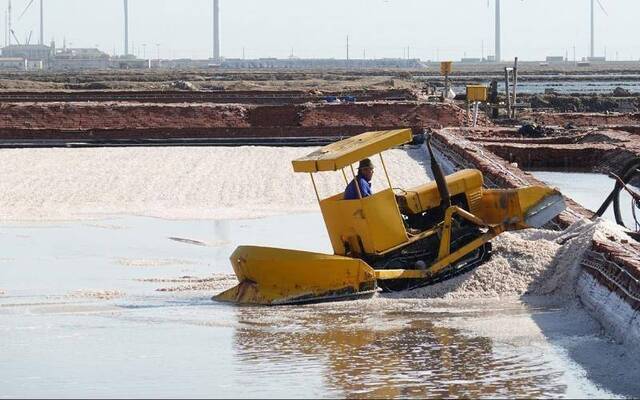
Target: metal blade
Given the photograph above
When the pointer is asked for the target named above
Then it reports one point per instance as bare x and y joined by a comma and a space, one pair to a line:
545, 210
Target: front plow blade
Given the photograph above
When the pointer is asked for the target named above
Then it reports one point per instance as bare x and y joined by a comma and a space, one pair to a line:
269, 276
527, 207
544, 210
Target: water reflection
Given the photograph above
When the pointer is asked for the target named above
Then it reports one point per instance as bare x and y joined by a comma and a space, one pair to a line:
387, 354
589, 190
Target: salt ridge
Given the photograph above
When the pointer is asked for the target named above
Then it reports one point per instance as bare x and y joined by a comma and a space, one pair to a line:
174, 182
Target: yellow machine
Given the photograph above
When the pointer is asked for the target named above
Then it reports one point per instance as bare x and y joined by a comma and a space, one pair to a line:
396, 239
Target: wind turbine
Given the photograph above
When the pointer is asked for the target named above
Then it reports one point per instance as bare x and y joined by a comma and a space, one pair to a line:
498, 30
9, 29
41, 42
593, 24
498, 33
126, 28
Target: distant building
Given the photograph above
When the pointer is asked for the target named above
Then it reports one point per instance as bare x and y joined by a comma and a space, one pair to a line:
129, 62
36, 57
312, 63
35, 65
13, 63
182, 63
28, 52
555, 59
470, 60
79, 58
25, 57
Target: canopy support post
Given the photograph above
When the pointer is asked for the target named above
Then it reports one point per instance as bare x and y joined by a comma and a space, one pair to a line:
385, 171
315, 188
355, 179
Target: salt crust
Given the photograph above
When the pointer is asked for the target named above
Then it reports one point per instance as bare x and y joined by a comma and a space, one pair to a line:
530, 262
175, 182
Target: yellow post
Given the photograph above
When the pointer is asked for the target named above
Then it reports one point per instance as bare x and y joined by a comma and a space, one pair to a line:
355, 179
477, 93
446, 67
314, 187
385, 171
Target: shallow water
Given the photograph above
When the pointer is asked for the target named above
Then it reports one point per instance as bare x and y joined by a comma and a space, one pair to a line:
569, 87
534, 86
81, 316
590, 190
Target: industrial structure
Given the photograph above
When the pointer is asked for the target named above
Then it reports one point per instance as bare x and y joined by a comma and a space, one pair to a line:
126, 27
41, 42
36, 56
42, 56
216, 30
498, 49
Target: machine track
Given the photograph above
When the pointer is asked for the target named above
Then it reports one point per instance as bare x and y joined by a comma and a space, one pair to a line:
474, 259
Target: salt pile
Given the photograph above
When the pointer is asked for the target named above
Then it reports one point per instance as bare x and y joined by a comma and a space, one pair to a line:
217, 283
95, 294
144, 263
174, 182
530, 262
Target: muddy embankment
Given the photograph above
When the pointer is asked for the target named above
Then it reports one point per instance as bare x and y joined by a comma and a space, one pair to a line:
108, 121
605, 150
580, 119
584, 103
272, 97
608, 282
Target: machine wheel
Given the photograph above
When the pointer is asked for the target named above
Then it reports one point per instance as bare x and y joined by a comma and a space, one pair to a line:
471, 261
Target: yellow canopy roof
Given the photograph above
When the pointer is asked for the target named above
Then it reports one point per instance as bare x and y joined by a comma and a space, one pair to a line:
348, 151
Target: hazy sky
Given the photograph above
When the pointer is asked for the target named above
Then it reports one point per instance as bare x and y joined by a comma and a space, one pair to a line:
449, 29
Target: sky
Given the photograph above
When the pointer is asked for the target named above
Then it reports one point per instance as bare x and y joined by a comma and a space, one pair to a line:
430, 29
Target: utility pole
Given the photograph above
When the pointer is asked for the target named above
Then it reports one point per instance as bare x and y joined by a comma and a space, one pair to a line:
41, 23
126, 27
347, 47
593, 24
498, 33
9, 22
216, 30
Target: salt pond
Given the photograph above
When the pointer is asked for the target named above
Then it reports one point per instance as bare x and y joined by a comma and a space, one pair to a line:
81, 315
121, 306
590, 190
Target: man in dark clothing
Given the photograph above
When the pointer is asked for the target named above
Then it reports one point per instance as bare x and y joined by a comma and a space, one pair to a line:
365, 173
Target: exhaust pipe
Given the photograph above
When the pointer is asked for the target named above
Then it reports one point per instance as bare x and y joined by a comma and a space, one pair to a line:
438, 175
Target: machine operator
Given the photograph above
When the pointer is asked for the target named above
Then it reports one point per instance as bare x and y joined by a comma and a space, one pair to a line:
365, 173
